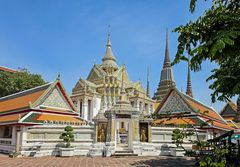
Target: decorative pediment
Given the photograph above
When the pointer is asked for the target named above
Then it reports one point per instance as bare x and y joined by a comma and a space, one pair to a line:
56, 99
138, 86
118, 75
84, 86
96, 73
174, 104
228, 110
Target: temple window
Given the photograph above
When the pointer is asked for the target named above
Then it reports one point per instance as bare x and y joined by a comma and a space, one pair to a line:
140, 106
7, 132
146, 107
89, 109
81, 108
132, 103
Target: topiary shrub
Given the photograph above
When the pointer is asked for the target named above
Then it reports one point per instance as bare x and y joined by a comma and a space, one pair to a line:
67, 136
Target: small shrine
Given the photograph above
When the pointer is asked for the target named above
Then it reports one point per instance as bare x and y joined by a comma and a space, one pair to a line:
122, 127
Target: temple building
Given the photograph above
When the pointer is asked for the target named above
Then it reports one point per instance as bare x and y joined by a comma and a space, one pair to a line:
103, 87
36, 117
110, 114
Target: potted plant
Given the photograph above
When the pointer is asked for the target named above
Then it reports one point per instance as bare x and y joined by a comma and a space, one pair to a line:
67, 137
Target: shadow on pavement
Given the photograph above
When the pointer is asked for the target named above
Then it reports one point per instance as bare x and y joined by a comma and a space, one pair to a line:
165, 162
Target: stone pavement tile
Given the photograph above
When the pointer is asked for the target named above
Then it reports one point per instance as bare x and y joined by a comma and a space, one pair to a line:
95, 162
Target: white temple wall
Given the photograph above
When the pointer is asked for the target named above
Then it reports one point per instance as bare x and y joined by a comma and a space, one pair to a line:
162, 139
96, 106
43, 140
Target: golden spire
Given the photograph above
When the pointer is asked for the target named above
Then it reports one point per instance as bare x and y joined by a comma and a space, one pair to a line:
109, 59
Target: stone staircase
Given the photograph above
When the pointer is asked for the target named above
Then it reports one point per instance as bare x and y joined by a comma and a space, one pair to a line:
123, 153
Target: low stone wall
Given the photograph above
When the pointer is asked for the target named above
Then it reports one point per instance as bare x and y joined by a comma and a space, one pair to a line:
161, 139
44, 140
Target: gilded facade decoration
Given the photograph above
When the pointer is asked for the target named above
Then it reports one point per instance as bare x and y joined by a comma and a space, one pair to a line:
104, 82
102, 132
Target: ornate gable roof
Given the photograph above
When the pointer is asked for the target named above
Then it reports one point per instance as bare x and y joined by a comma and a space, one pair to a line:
83, 85
96, 73
174, 103
229, 110
43, 100
51, 94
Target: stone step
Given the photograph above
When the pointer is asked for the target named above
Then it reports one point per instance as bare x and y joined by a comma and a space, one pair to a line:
124, 153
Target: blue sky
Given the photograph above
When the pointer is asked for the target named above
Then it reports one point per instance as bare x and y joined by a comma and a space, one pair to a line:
68, 36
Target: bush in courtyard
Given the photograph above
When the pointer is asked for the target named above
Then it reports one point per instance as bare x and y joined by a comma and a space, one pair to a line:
67, 136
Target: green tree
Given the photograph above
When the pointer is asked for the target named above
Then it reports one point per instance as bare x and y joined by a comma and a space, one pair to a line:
15, 82
215, 36
67, 136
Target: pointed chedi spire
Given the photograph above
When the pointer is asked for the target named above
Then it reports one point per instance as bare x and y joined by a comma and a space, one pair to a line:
109, 59
167, 79
166, 63
189, 84
148, 84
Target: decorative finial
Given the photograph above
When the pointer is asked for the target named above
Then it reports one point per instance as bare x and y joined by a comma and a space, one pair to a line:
58, 76
109, 40
109, 29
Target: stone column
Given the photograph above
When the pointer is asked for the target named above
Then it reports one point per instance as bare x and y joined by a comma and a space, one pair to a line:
78, 106
137, 105
85, 109
149, 133
114, 94
18, 139
14, 135
109, 97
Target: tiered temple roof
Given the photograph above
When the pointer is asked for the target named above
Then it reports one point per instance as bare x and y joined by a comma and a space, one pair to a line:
48, 103
178, 108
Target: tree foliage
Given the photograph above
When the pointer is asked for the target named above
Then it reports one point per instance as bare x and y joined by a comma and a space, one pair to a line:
215, 36
15, 82
67, 136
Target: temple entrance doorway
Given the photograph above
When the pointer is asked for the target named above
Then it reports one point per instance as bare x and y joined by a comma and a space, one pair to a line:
123, 133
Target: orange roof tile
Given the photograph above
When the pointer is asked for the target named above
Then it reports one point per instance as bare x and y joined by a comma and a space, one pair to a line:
231, 124
7, 69
203, 109
20, 102
179, 121
10, 118
50, 117
22, 99
229, 118
221, 125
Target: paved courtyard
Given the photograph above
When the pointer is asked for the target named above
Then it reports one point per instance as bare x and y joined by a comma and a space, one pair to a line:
95, 162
